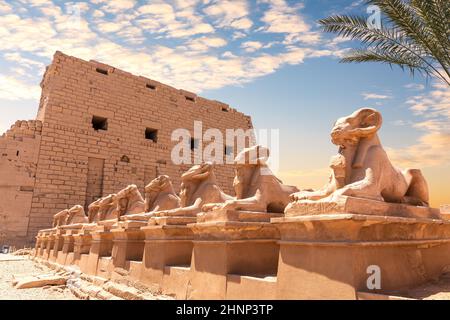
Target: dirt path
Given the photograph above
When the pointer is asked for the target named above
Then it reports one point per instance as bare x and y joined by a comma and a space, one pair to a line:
11, 266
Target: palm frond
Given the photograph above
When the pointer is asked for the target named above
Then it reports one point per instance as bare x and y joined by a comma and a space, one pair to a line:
403, 60
436, 17
407, 39
407, 20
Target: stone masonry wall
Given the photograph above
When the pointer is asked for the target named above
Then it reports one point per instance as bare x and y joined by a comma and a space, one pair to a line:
19, 150
78, 163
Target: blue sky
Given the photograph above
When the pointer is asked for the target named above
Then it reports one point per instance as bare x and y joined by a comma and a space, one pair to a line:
267, 58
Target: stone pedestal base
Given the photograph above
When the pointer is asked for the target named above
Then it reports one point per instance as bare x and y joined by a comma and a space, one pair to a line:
101, 246
128, 244
49, 246
332, 256
37, 246
58, 244
65, 257
167, 255
82, 246
229, 243
445, 212
42, 242
360, 206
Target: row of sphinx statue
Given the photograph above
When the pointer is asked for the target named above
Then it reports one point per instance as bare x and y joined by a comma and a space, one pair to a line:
360, 169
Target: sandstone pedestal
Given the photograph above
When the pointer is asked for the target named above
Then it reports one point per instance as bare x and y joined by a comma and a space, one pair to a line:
37, 246
101, 250
445, 212
167, 255
58, 244
42, 242
360, 206
82, 246
332, 256
66, 256
50, 245
128, 246
233, 247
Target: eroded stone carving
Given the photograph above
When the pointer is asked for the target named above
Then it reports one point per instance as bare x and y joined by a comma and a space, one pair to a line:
129, 201
60, 218
256, 187
70, 216
160, 195
93, 210
198, 187
362, 168
107, 208
76, 215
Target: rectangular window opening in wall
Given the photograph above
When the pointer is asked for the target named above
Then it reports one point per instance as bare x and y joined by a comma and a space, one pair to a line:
151, 87
190, 99
151, 134
102, 71
224, 109
99, 123
194, 143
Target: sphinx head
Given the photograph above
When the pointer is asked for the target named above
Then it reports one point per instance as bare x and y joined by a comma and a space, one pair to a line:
245, 163
194, 177
363, 123
76, 214
158, 184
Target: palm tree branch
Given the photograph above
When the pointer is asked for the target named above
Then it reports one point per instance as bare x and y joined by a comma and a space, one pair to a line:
436, 15
357, 28
374, 55
404, 17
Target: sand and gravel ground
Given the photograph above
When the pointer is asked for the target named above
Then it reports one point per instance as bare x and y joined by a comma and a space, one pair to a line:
18, 266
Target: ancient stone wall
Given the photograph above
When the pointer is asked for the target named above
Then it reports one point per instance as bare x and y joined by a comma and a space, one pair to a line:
19, 150
102, 129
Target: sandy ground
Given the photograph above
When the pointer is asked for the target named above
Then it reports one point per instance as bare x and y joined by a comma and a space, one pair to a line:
18, 266
438, 290
11, 266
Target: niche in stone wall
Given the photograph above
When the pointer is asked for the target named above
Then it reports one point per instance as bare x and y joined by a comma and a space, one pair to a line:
125, 159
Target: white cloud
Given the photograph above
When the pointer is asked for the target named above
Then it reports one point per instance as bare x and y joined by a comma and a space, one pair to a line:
375, 96
251, 46
284, 18
230, 13
198, 57
414, 86
164, 19
13, 89
205, 43
5, 8
117, 6
433, 147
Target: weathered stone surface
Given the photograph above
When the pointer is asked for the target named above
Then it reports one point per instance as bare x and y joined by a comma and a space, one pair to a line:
60, 159
40, 281
361, 206
362, 169
256, 187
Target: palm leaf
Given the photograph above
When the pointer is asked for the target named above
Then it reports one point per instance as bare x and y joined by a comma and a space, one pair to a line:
413, 36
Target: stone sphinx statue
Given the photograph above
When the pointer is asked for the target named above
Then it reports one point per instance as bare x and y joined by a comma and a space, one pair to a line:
70, 216
362, 168
93, 210
129, 201
257, 188
76, 215
107, 208
60, 218
198, 187
160, 195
